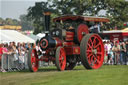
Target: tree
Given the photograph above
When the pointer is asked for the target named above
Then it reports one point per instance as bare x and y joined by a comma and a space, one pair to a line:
16, 22
77, 7
8, 21
1, 21
35, 14
25, 23
116, 10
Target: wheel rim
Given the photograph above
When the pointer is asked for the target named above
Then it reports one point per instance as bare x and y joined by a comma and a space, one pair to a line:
95, 51
82, 30
62, 59
34, 60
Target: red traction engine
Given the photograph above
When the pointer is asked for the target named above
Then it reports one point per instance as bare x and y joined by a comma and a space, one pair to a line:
68, 43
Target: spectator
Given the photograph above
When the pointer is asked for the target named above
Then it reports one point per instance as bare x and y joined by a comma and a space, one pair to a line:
21, 51
111, 57
122, 53
108, 51
1, 52
10, 48
105, 57
127, 51
116, 51
29, 46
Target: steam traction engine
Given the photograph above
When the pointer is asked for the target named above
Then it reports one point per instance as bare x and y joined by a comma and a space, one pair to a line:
68, 43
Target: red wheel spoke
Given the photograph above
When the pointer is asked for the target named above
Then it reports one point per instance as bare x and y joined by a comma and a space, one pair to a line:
89, 55
89, 51
91, 58
98, 61
97, 45
89, 46
91, 42
94, 41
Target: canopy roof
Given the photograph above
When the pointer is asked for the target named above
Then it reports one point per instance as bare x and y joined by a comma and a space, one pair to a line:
78, 17
126, 29
117, 31
13, 35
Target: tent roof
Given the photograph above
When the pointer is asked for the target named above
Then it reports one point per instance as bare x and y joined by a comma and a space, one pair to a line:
13, 35
33, 37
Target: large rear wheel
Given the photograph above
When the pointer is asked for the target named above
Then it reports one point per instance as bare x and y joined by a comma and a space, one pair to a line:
33, 60
60, 58
92, 51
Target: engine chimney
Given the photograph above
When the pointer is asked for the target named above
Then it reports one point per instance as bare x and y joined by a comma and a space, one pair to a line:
47, 20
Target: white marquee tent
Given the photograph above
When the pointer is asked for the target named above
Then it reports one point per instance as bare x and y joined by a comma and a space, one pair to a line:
13, 35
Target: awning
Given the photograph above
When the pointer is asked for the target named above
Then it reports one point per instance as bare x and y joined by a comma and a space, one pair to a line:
13, 35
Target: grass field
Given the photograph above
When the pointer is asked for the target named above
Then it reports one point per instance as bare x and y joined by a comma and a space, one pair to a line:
106, 75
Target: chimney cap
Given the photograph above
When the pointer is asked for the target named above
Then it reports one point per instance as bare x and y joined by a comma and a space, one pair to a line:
47, 13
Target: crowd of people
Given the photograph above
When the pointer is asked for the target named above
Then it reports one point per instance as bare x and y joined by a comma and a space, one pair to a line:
18, 50
116, 52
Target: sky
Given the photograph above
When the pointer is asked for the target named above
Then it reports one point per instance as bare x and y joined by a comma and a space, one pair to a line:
14, 8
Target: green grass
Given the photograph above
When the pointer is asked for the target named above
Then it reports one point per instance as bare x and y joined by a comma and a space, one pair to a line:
106, 75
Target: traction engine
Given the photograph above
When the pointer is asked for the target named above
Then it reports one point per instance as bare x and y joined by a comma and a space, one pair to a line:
69, 42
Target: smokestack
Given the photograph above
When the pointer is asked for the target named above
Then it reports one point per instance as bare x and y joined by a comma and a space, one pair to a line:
47, 20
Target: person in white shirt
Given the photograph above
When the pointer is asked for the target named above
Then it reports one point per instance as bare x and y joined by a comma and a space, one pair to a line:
109, 46
96, 28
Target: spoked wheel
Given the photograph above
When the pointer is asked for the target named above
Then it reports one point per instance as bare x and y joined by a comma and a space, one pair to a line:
33, 60
70, 66
92, 51
60, 58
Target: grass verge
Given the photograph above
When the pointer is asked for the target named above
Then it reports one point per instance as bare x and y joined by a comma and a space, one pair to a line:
106, 75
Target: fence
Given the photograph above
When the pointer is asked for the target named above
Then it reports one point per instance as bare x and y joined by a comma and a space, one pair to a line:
14, 62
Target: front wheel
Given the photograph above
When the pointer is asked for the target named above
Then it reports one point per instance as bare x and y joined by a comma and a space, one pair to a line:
60, 58
33, 60
92, 51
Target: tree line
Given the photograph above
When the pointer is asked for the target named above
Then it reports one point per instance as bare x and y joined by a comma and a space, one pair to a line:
9, 21
115, 10
23, 22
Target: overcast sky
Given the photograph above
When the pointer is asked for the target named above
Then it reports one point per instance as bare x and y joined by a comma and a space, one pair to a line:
14, 8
